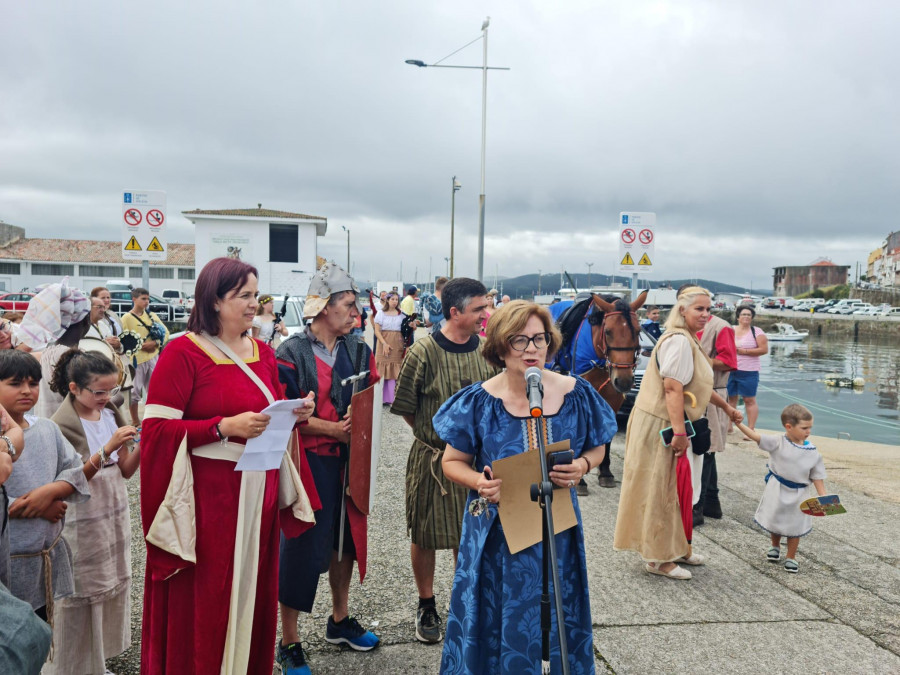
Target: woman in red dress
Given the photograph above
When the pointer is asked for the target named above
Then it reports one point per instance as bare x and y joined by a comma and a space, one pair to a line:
210, 594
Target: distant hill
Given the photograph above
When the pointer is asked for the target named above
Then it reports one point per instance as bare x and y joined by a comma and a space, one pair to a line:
526, 285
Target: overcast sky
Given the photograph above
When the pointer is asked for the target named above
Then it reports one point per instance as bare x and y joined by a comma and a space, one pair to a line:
761, 133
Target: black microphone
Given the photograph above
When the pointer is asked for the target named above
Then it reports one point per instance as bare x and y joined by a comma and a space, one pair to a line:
535, 391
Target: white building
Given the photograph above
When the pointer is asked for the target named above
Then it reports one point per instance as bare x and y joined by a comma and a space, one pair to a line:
26, 263
281, 245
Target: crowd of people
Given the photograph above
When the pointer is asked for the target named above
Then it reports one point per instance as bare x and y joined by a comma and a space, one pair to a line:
236, 539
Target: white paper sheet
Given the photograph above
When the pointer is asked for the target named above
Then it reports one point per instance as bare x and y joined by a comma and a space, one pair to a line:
264, 452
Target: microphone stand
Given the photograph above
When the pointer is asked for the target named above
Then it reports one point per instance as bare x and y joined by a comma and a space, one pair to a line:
543, 494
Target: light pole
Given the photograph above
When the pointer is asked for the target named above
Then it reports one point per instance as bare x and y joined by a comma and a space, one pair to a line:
483, 68
589, 266
347, 230
455, 186
539, 281
448, 267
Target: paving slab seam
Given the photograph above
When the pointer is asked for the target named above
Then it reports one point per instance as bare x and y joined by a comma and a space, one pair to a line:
675, 624
883, 640
603, 662
767, 568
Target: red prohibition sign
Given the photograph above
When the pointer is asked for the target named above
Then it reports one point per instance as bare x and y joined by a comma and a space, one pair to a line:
646, 236
155, 217
133, 217
628, 235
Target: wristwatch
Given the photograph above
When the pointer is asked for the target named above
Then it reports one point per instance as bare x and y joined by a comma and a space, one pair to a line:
10, 447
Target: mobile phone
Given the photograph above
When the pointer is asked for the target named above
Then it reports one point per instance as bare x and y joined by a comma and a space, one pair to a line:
668, 434
560, 457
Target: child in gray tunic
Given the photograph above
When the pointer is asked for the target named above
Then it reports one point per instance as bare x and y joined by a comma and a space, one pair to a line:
48, 474
794, 463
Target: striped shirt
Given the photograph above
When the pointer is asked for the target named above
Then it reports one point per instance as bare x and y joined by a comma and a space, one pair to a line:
433, 370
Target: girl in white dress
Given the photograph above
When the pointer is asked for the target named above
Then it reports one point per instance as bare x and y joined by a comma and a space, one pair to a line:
94, 623
794, 463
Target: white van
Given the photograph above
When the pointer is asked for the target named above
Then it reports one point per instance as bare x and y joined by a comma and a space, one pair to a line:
845, 306
118, 285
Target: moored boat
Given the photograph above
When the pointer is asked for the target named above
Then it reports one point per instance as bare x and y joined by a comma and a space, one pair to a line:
785, 332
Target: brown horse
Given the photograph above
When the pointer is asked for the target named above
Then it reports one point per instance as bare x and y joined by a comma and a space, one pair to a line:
615, 333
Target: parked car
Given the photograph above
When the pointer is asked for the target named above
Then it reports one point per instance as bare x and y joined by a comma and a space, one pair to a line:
868, 311
826, 306
15, 302
121, 304
891, 311
293, 315
179, 298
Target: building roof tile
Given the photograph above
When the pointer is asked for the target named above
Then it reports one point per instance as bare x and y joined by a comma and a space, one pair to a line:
87, 251
251, 213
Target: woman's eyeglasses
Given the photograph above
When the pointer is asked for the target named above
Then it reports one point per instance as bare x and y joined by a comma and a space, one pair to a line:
520, 342
100, 394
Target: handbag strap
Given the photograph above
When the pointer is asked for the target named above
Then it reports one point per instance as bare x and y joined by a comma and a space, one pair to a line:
239, 362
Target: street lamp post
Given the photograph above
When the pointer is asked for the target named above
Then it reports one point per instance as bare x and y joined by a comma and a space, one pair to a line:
347, 230
455, 186
483, 68
589, 266
447, 260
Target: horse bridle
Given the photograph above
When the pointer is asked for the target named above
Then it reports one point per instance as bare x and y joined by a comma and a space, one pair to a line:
606, 348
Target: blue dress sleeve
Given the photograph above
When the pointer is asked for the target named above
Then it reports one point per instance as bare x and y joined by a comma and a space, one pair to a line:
455, 422
597, 415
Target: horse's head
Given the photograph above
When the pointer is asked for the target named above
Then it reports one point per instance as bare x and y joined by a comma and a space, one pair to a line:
616, 337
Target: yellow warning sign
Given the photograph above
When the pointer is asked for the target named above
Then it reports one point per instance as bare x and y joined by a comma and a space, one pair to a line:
627, 260
156, 246
645, 259
132, 244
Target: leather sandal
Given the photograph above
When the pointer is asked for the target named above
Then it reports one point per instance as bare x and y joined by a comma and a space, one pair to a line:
676, 572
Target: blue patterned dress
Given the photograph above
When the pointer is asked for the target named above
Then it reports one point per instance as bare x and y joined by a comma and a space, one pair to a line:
494, 622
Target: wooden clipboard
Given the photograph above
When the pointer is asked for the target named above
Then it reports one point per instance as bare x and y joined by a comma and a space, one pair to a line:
522, 518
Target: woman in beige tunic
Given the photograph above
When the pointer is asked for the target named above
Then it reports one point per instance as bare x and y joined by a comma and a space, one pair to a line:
677, 384
390, 348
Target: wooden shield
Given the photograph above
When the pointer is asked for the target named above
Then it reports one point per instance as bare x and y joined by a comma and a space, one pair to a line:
362, 405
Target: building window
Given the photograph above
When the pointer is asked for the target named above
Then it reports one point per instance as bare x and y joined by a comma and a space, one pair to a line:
49, 269
185, 272
283, 243
135, 272
10, 268
108, 271
162, 272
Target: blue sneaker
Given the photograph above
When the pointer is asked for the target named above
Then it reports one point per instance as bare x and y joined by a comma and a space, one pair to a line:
292, 659
350, 633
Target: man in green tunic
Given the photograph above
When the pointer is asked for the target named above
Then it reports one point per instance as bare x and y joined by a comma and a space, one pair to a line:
434, 369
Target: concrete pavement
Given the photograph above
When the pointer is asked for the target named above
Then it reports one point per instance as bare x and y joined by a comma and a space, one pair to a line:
739, 614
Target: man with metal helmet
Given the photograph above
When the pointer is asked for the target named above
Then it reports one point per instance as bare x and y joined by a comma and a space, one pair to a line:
317, 359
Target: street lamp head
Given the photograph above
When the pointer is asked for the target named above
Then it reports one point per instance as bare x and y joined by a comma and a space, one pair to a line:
344, 229
416, 62
487, 22
456, 185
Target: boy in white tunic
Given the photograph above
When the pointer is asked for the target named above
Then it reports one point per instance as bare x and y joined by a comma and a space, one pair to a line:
794, 463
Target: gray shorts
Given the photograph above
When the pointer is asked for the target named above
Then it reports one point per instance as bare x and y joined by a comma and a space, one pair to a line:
142, 379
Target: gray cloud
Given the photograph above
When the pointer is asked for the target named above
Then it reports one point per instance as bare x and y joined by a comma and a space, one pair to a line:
762, 134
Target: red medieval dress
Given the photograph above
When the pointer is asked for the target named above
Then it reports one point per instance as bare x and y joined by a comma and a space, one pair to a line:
207, 521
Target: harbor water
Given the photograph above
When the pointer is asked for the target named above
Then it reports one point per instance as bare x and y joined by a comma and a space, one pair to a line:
794, 372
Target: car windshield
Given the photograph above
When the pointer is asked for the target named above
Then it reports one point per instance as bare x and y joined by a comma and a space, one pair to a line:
292, 314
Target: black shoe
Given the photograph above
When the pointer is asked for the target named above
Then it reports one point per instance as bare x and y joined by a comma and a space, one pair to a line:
428, 625
292, 659
581, 489
712, 509
698, 516
606, 481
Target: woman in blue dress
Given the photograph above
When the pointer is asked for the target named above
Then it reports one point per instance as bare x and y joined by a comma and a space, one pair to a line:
494, 621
